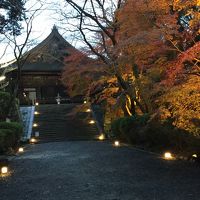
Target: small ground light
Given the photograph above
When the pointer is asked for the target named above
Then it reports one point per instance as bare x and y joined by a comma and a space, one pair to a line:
21, 149
37, 104
33, 140
36, 113
91, 122
101, 137
35, 125
117, 143
168, 156
194, 155
4, 170
2, 78
85, 102
88, 110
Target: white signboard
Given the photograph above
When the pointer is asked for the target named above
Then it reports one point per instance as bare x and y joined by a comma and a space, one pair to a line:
27, 118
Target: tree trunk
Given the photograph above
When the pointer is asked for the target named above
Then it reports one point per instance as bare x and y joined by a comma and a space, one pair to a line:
128, 90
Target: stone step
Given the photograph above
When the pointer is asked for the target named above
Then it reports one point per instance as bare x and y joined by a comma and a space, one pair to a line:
55, 124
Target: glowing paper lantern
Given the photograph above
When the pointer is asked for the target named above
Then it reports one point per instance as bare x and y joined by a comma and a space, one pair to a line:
33, 140
4, 170
116, 143
101, 137
168, 156
35, 125
91, 122
194, 155
2, 78
21, 149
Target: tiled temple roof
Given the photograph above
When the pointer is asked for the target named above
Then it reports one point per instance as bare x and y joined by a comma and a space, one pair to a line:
49, 54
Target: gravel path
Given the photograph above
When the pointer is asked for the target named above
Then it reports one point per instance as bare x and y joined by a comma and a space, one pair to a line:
92, 170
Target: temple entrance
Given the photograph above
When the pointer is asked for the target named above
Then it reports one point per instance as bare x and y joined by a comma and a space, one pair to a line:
48, 92
41, 73
31, 94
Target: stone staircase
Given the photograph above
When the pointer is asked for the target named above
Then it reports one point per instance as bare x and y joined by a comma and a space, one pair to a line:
55, 123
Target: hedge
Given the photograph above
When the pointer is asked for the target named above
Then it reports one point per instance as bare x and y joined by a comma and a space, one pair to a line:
10, 133
7, 140
154, 135
122, 126
161, 137
16, 127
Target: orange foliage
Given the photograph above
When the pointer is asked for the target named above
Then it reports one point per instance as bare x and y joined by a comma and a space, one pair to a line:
152, 29
161, 37
80, 72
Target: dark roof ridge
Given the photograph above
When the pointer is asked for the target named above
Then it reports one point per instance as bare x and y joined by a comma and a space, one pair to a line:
54, 33
45, 56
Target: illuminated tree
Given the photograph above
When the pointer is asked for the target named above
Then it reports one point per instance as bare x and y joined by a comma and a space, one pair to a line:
148, 46
99, 17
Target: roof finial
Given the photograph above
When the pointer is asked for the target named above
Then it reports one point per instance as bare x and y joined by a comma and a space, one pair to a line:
54, 28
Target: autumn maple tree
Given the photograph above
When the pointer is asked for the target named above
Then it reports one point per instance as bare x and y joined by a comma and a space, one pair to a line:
99, 17
80, 72
150, 48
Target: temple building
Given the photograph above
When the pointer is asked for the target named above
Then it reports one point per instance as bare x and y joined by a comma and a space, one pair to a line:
41, 73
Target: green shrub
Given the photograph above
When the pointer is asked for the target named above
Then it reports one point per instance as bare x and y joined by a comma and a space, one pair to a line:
9, 106
10, 133
5, 99
122, 126
16, 127
2, 139
155, 136
115, 127
160, 137
7, 139
126, 124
